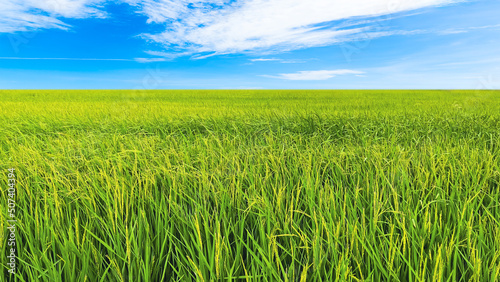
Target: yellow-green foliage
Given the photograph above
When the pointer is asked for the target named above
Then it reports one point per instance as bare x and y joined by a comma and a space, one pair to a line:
253, 185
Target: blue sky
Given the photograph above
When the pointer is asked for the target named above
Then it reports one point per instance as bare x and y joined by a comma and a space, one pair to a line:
252, 44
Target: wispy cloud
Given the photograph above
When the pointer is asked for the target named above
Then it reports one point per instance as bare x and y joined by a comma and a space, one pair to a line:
204, 28
467, 29
282, 61
265, 60
150, 60
22, 15
314, 75
138, 60
470, 62
67, 59
223, 26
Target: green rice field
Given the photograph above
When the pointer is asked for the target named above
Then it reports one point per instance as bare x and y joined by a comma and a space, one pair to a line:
278, 185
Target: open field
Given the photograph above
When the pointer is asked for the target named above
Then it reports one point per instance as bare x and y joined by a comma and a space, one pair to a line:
252, 185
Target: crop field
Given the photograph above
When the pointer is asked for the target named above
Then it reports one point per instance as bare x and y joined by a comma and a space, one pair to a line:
245, 185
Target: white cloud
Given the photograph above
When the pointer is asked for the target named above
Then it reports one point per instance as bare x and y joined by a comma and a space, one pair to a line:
315, 75
282, 61
150, 60
208, 27
139, 60
66, 59
23, 15
265, 60
467, 29
223, 26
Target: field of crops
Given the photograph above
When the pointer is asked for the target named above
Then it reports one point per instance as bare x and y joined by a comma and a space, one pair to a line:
252, 185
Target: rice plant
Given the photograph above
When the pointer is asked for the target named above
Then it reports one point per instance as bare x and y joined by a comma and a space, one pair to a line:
252, 185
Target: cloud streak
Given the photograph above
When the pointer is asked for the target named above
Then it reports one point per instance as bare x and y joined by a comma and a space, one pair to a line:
467, 29
70, 59
282, 61
315, 75
265, 60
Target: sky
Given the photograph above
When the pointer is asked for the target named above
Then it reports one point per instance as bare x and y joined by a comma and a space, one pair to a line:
250, 44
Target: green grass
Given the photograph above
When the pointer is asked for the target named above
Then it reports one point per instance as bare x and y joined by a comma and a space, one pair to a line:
253, 185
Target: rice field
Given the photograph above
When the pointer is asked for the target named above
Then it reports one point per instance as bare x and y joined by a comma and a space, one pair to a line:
245, 185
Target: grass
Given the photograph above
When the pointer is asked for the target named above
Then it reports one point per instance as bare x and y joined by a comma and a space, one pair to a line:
253, 185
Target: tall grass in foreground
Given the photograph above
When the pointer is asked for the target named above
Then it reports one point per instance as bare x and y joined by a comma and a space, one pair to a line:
253, 185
